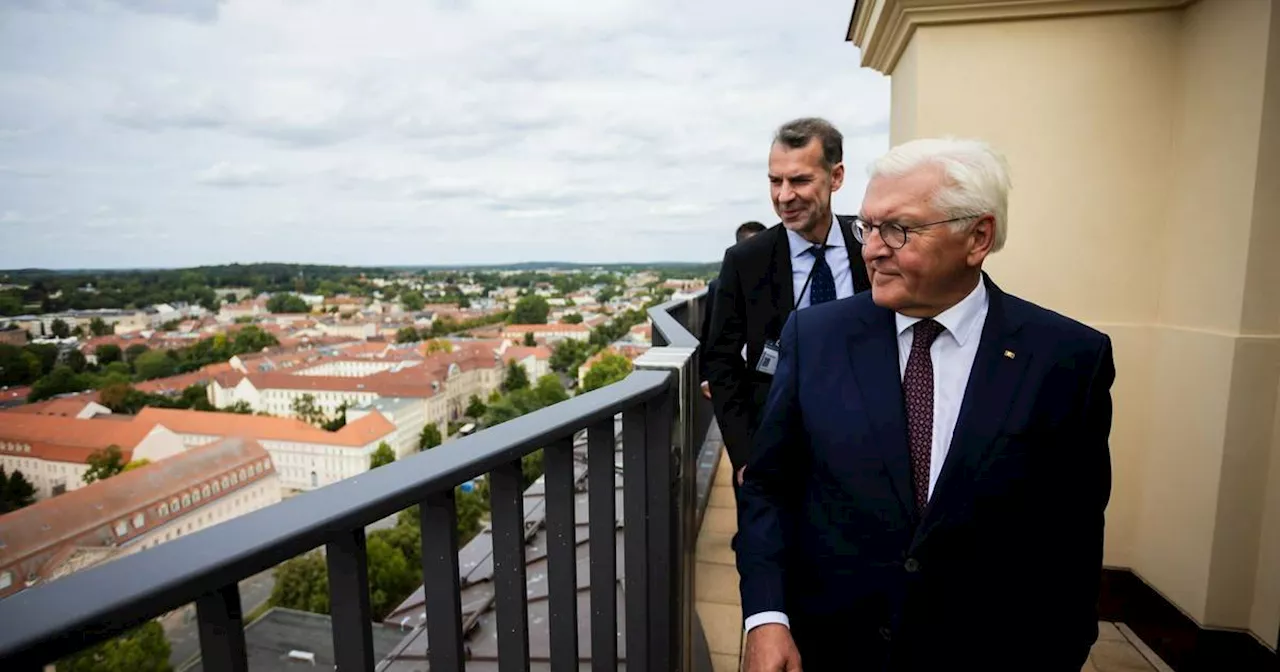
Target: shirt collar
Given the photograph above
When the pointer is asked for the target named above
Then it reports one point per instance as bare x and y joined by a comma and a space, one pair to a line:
799, 245
960, 319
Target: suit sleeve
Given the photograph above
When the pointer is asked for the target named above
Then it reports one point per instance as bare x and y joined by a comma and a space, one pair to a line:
725, 369
1078, 507
704, 333
774, 474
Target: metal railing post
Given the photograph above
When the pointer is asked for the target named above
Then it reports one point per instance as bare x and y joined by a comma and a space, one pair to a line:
682, 491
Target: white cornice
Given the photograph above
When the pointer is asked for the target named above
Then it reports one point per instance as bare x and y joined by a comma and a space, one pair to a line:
883, 28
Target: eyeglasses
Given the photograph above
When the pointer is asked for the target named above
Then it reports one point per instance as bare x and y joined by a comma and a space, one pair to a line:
894, 234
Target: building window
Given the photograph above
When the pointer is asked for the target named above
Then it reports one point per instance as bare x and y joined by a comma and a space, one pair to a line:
195, 495
216, 488
6, 579
204, 492
186, 501
139, 520
164, 509
234, 480
173, 506
122, 528
226, 482
242, 476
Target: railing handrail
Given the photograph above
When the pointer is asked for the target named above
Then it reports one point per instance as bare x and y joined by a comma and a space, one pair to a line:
670, 328
69, 613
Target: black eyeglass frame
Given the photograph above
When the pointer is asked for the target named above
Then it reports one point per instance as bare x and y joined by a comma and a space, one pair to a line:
861, 226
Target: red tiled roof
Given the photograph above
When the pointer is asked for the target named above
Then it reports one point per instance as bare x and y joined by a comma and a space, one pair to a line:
266, 428
68, 439
52, 521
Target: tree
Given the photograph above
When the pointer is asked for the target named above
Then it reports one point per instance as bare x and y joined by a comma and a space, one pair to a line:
339, 419
408, 335
118, 397
287, 303
305, 408
144, 649
549, 390
569, 354
61, 380
530, 309
430, 437
528, 339
18, 366
59, 329
610, 369
132, 352
154, 364
439, 345
382, 455
571, 318
516, 378
99, 328
107, 353
75, 359
104, 464
15, 491
475, 407
303, 582
412, 301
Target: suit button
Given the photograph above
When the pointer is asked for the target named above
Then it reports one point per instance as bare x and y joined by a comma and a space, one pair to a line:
886, 634
911, 565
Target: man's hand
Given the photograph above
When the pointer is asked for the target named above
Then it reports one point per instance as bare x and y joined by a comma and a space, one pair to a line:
706, 389
741, 470
771, 649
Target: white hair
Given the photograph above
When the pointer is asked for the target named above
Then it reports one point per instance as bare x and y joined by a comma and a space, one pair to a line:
977, 178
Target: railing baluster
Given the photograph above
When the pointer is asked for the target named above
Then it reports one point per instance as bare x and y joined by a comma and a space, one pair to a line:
507, 508
348, 561
221, 626
601, 447
562, 561
635, 512
661, 560
441, 586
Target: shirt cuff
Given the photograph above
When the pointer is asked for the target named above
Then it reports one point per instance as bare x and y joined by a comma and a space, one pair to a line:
756, 620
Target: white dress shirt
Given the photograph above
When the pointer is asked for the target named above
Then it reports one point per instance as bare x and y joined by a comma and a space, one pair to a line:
952, 354
837, 256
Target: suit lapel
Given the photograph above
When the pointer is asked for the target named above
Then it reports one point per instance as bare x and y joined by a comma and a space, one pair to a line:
873, 354
997, 374
783, 287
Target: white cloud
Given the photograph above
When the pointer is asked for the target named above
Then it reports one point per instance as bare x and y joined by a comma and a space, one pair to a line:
410, 131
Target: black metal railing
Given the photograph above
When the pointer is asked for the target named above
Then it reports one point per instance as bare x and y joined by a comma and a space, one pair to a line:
663, 422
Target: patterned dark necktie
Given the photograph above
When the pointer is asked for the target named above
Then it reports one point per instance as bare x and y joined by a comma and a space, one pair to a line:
823, 286
917, 389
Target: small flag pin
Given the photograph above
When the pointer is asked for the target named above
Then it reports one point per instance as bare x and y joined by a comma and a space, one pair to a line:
1008, 354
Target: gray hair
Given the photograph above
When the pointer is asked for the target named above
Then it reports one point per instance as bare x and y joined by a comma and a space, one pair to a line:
798, 133
977, 178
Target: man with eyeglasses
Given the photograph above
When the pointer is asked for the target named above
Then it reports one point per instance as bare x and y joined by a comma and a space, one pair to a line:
811, 257
927, 485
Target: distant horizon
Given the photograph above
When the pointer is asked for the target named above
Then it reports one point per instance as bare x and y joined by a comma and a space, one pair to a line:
519, 265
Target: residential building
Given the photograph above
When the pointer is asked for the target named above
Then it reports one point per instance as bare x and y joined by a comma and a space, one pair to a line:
408, 415
306, 457
13, 335
134, 510
549, 333
535, 360
53, 451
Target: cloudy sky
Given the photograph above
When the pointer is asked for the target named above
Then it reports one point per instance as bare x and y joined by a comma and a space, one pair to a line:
182, 132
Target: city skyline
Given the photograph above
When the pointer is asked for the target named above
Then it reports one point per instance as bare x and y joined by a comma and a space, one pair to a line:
406, 133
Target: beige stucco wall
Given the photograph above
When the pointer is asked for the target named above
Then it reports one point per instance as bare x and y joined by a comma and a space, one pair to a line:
1145, 150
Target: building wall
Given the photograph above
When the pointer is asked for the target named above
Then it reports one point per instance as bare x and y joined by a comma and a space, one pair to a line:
45, 475
1145, 147
295, 462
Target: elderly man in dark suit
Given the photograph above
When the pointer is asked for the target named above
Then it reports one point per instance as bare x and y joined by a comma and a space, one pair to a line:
927, 486
809, 258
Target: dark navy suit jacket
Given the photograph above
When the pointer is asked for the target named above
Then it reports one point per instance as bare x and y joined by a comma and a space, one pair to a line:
1002, 569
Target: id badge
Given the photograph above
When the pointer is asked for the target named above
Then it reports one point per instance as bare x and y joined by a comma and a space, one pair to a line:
768, 359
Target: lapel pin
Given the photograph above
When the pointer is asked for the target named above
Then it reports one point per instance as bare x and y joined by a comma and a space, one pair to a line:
1008, 354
